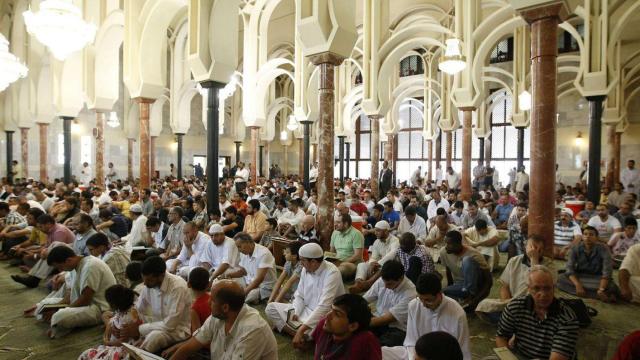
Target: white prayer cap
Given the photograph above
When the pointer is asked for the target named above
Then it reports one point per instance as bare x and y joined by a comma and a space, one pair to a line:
383, 225
311, 251
136, 208
216, 229
567, 211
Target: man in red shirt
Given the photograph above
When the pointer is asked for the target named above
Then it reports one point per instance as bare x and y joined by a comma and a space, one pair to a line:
357, 205
344, 333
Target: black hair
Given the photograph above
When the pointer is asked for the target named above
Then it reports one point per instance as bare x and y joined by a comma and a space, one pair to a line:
36, 213
428, 284
98, 239
243, 236
24, 206
392, 270
120, 298
589, 227
85, 218
147, 192
133, 271
294, 247
454, 236
441, 211
273, 222
199, 279
357, 310
89, 202
45, 219
378, 207
105, 214
255, 204
59, 255
231, 210
438, 345
410, 210
230, 296
153, 221
458, 204
407, 241
481, 224
154, 265
345, 218
178, 210
388, 204
630, 221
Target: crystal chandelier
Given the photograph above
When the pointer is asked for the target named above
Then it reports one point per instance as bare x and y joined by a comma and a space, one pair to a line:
292, 124
113, 120
11, 69
60, 27
453, 62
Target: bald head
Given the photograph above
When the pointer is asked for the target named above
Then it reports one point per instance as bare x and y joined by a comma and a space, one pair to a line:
308, 222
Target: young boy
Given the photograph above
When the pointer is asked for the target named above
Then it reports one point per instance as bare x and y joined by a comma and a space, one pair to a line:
271, 232
292, 270
200, 309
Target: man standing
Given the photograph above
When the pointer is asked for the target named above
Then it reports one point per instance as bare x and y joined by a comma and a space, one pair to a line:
111, 173
385, 178
478, 174
241, 177
164, 305
431, 311
453, 179
416, 176
86, 174
233, 331
522, 180
543, 326
313, 175
319, 284
630, 178
90, 278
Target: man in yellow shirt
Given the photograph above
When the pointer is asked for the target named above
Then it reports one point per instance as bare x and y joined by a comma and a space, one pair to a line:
255, 223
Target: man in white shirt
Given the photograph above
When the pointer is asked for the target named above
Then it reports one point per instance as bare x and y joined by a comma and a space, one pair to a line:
416, 176
435, 203
320, 282
630, 178
280, 211
233, 331
439, 175
392, 197
629, 275
139, 234
192, 249
291, 220
392, 293
256, 269
522, 179
383, 249
313, 175
431, 311
89, 278
412, 223
604, 223
86, 174
164, 304
453, 179
220, 255
223, 203
457, 213
484, 238
241, 178
435, 239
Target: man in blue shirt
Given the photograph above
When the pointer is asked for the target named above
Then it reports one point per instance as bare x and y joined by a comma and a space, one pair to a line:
502, 212
391, 216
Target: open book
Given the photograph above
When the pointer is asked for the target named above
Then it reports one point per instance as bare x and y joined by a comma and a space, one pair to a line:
331, 256
49, 307
139, 354
294, 324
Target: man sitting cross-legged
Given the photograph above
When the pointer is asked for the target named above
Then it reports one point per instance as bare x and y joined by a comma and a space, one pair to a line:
192, 249
220, 255
431, 311
89, 278
543, 327
256, 271
164, 304
392, 294
348, 243
320, 282
382, 250
233, 331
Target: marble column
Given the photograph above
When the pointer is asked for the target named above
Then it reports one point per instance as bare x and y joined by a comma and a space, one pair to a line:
314, 148
347, 159
99, 162
152, 155
306, 135
520, 153
44, 159
430, 157
145, 168
179, 140
544, 52
130, 158
9, 144
341, 158
255, 135
611, 160
595, 147
375, 156
616, 171
260, 162
465, 182
326, 101
24, 147
238, 143
449, 149
66, 131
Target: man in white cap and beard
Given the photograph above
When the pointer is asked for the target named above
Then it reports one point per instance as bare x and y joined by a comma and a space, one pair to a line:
320, 282
220, 255
382, 250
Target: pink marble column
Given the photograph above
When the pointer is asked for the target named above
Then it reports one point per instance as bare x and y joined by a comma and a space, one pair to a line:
449, 150
326, 101
152, 155
465, 184
375, 156
24, 147
544, 52
100, 148
42, 127
130, 158
145, 169
255, 138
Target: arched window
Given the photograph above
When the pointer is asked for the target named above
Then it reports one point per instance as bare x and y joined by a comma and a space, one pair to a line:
412, 149
411, 65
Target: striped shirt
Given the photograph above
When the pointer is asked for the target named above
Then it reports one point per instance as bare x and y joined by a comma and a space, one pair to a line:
535, 338
563, 235
420, 252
